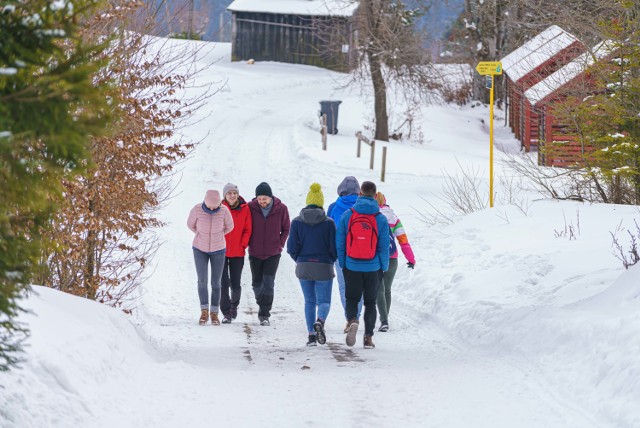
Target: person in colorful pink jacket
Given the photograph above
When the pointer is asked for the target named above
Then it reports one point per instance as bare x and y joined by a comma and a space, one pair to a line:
397, 231
210, 221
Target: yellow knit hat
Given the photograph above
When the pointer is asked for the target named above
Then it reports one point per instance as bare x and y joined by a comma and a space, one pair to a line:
315, 196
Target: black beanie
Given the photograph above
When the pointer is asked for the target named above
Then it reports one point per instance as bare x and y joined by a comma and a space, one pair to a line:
264, 189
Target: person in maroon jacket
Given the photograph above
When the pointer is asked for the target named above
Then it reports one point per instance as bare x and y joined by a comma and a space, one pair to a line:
270, 224
237, 242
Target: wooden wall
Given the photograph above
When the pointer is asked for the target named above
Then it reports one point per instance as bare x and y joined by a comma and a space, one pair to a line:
294, 39
523, 119
559, 144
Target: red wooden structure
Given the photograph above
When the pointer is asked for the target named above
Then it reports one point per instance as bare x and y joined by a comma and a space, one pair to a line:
559, 145
528, 65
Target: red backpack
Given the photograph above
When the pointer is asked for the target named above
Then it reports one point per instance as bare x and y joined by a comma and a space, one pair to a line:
362, 236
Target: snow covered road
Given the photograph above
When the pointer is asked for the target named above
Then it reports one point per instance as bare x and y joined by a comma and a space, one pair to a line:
451, 359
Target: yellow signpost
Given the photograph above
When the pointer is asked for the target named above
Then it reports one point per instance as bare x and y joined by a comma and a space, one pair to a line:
490, 69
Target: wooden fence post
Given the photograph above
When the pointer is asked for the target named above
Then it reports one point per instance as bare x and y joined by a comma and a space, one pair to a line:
324, 131
362, 139
373, 152
384, 163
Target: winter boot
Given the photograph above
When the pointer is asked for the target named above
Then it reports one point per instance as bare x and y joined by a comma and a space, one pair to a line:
226, 319
384, 326
234, 313
346, 327
204, 316
312, 340
318, 327
264, 321
352, 332
214, 318
368, 342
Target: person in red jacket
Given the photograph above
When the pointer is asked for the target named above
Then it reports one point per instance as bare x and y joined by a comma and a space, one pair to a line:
237, 242
270, 221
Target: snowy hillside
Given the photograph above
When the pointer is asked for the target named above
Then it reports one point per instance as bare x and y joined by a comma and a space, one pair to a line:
506, 321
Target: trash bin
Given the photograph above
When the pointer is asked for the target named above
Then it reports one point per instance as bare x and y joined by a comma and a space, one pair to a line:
330, 108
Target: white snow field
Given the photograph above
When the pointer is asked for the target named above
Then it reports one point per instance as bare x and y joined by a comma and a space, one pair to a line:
505, 321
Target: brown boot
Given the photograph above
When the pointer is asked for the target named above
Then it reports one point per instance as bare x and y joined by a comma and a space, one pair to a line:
214, 318
351, 334
346, 328
368, 342
204, 316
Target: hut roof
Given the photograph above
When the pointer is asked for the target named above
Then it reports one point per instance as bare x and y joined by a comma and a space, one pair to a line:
536, 51
566, 74
296, 7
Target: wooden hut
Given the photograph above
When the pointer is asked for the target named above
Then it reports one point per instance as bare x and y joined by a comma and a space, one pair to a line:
312, 32
528, 65
559, 145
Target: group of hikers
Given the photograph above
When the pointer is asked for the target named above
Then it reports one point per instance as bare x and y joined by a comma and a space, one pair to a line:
354, 240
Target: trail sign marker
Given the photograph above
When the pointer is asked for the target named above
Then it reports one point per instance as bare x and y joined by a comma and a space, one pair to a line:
490, 69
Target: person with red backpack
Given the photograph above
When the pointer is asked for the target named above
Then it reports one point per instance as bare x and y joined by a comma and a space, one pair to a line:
237, 242
362, 242
348, 191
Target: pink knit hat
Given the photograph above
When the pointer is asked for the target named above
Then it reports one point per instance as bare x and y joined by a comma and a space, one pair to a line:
212, 199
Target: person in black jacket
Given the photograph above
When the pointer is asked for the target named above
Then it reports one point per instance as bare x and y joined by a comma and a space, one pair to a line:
312, 245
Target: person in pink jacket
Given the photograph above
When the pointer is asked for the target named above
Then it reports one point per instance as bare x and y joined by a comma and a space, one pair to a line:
210, 221
397, 233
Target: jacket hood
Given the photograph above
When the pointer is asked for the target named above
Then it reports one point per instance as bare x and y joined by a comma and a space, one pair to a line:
349, 186
366, 205
346, 202
312, 215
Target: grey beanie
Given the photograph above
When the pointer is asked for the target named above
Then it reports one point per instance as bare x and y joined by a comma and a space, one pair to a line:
229, 187
349, 186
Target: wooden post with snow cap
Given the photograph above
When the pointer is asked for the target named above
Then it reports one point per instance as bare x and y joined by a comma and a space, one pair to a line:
384, 163
324, 131
373, 152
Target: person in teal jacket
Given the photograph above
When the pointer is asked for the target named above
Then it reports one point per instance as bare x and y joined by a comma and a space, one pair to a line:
362, 277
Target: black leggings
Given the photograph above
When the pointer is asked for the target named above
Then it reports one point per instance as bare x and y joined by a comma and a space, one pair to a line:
231, 274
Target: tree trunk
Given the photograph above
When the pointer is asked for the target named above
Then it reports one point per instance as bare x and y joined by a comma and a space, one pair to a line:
90, 286
380, 99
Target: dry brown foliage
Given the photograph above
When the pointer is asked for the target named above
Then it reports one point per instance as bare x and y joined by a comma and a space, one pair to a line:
105, 227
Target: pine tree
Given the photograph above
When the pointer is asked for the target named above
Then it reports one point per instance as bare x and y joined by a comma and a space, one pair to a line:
49, 109
608, 119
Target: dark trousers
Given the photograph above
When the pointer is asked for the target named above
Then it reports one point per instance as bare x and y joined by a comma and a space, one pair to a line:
231, 288
357, 285
263, 274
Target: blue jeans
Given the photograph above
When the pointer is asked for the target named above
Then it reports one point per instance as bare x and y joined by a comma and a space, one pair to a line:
202, 259
317, 295
343, 299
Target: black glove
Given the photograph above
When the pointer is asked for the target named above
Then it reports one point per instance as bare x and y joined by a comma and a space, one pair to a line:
410, 265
